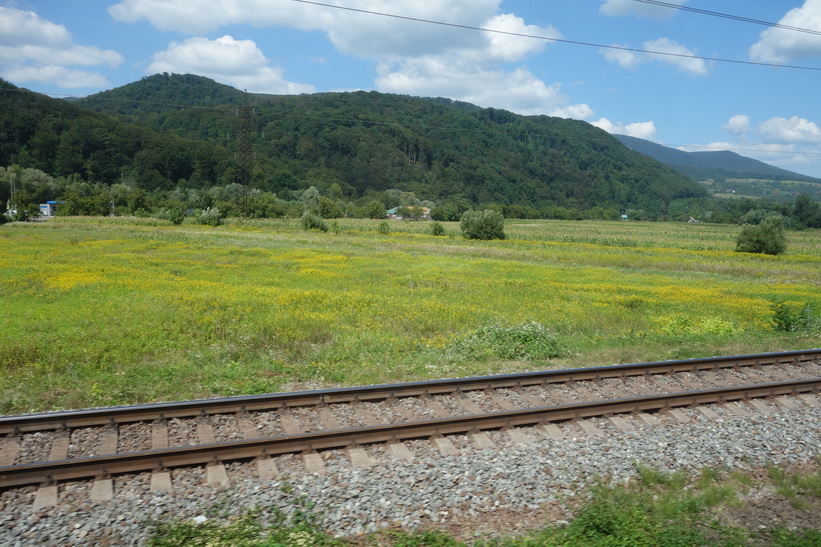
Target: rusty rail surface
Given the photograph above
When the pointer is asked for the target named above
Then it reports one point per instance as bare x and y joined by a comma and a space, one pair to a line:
10, 425
103, 466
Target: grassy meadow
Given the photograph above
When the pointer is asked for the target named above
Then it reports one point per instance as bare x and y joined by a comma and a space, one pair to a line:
97, 311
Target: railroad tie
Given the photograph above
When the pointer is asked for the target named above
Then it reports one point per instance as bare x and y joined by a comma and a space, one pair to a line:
360, 458
759, 405
469, 405
9, 450
46, 496
647, 419
161, 481
328, 419
734, 408
518, 436
400, 451
205, 431
267, 469
313, 463
102, 490
621, 424
809, 400
159, 435
59, 446
502, 401
216, 474
246, 425
708, 412
589, 428
553, 431
445, 446
289, 423
109, 440
482, 440
679, 415
786, 402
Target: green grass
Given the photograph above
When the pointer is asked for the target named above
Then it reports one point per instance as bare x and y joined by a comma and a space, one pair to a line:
116, 311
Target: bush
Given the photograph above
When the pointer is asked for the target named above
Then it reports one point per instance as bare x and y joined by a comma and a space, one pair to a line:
174, 215
767, 238
384, 227
524, 342
210, 216
793, 318
487, 224
437, 229
312, 221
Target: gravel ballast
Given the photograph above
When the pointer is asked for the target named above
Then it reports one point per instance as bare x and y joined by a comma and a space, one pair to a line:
430, 489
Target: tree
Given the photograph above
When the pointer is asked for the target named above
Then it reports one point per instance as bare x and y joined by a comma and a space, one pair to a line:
375, 209
807, 212
487, 224
766, 238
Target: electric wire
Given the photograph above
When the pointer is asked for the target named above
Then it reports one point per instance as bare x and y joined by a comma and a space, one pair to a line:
558, 40
729, 16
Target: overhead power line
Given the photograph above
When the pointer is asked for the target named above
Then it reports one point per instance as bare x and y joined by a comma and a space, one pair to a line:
730, 16
558, 40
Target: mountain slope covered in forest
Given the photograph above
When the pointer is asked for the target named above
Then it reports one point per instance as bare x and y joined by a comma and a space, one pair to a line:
170, 130
368, 142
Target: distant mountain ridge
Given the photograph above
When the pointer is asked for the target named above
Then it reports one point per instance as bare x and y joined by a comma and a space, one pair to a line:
705, 165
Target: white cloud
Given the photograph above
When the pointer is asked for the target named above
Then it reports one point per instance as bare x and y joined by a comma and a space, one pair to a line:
778, 45
640, 130
676, 55
412, 57
790, 130
617, 8
239, 63
26, 27
51, 74
790, 143
738, 124
33, 49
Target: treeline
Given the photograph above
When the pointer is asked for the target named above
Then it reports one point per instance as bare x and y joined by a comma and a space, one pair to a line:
76, 196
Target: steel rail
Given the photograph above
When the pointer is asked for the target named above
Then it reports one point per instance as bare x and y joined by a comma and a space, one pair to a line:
103, 466
188, 409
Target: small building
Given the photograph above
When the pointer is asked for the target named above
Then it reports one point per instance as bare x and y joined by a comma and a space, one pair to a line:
47, 209
422, 213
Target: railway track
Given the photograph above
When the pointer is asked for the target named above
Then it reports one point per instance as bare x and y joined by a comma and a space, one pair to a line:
260, 427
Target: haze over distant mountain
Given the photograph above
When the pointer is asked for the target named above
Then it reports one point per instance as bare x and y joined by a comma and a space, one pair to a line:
711, 165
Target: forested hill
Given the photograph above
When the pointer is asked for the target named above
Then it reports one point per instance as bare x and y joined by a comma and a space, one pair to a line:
64, 140
351, 146
715, 164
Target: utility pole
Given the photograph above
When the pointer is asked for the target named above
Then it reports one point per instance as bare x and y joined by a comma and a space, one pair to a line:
245, 155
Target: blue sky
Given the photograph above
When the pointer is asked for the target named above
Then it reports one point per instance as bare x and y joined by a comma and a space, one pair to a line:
79, 47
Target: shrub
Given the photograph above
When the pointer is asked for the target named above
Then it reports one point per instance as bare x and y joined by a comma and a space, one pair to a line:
523, 342
383, 227
174, 215
767, 237
487, 224
437, 229
312, 221
210, 216
793, 318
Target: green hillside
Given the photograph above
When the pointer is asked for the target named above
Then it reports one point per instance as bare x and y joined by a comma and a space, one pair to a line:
364, 143
64, 140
